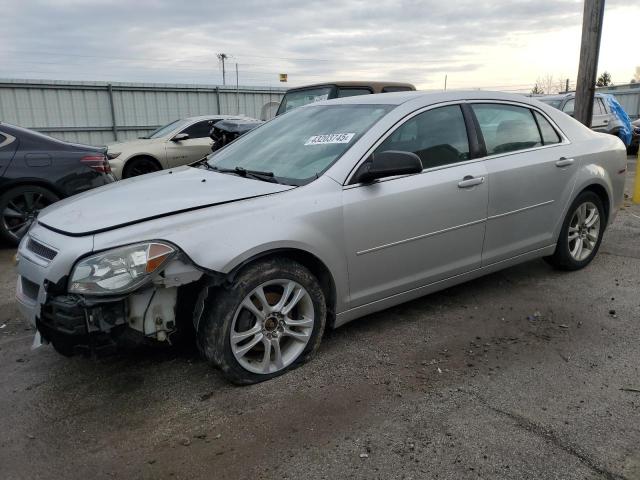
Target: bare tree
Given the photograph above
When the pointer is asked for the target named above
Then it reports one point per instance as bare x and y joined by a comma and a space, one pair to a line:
550, 85
537, 90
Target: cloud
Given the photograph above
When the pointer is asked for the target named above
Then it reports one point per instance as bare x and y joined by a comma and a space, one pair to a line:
167, 41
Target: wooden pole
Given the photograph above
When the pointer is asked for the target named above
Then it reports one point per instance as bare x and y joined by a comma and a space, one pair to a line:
588, 69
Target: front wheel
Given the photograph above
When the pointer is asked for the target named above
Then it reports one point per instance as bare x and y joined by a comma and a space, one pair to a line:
581, 233
269, 321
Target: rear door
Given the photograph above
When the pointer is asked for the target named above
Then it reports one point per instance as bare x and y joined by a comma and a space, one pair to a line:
406, 232
600, 119
193, 148
8, 146
530, 178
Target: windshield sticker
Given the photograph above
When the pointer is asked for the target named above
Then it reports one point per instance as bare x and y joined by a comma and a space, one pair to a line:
330, 138
320, 98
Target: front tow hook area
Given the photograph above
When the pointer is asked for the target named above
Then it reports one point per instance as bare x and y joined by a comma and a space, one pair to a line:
73, 328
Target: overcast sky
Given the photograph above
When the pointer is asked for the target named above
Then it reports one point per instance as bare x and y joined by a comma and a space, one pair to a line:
501, 44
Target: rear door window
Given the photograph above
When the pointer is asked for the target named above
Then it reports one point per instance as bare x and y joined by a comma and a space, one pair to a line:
438, 137
353, 92
569, 107
549, 134
507, 128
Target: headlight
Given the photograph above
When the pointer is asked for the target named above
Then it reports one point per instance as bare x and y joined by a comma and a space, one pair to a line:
119, 270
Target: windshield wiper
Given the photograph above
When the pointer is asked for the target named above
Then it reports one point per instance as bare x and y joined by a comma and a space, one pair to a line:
243, 172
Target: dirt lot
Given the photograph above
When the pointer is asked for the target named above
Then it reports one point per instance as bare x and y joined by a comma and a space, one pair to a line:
527, 373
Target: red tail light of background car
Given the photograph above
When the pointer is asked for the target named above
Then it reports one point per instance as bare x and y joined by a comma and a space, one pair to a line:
99, 163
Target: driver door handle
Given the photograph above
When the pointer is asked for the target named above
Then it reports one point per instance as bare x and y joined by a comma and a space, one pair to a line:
470, 181
564, 162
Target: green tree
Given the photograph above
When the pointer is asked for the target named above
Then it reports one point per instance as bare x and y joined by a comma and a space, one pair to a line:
604, 80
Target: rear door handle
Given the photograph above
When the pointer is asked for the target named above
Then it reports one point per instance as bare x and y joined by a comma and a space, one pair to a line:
469, 181
564, 162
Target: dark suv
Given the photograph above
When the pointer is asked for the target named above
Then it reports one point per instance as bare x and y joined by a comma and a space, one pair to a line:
297, 97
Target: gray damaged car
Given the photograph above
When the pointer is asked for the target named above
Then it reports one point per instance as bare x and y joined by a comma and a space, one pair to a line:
325, 214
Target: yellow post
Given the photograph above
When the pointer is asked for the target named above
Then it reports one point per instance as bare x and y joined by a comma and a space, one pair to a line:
636, 186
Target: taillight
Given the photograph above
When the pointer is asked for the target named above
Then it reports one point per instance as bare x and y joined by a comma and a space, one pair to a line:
99, 163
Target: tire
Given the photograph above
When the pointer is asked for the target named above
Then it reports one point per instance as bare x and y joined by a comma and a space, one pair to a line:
140, 166
568, 254
19, 208
225, 314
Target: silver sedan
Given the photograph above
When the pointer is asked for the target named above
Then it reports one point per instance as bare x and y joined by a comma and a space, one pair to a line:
325, 214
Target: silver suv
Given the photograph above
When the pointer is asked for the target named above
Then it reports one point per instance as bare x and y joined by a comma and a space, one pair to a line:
603, 120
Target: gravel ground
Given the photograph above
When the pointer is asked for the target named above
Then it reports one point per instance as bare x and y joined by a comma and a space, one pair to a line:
526, 373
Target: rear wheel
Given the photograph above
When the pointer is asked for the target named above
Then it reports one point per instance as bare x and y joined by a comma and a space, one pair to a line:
581, 233
269, 321
140, 166
19, 208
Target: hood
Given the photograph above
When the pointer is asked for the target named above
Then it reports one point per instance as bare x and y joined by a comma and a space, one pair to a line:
155, 195
119, 147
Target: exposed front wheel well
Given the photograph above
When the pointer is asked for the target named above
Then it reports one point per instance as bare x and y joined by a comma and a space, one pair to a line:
315, 266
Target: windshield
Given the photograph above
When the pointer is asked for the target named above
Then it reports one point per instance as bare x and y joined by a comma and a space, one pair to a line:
554, 102
162, 131
299, 146
299, 98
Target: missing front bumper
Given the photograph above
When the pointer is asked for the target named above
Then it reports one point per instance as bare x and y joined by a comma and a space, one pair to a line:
72, 326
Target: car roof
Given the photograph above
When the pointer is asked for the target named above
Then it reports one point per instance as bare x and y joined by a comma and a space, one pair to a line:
355, 83
427, 98
214, 117
562, 96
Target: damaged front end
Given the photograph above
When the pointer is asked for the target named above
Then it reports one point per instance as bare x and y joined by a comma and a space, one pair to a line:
122, 297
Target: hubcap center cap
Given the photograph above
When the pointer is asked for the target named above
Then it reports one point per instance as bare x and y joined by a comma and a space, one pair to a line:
271, 323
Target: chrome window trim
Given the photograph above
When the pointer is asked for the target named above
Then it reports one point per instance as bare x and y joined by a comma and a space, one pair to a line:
564, 139
9, 139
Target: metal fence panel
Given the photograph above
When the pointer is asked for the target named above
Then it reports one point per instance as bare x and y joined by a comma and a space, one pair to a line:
628, 96
99, 113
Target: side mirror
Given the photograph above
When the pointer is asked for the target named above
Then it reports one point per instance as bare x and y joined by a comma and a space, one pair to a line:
388, 164
179, 137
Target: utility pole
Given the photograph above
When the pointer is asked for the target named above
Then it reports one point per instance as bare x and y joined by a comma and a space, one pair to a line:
237, 92
588, 69
566, 88
222, 57
445, 82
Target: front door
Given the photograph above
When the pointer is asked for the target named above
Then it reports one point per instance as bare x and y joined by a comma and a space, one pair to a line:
406, 232
530, 178
193, 148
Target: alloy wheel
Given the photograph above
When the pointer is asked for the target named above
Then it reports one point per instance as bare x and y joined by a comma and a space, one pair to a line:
584, 230
21, 211
272, 326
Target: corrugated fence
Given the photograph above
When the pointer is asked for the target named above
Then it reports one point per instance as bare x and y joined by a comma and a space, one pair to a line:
98, 113
628, 96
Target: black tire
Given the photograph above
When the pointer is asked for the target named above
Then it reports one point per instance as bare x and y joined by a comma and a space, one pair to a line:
27, 201
214, 329
140, 166
562, 258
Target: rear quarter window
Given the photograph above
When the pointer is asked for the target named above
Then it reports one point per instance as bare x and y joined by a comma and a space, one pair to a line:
549, 134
